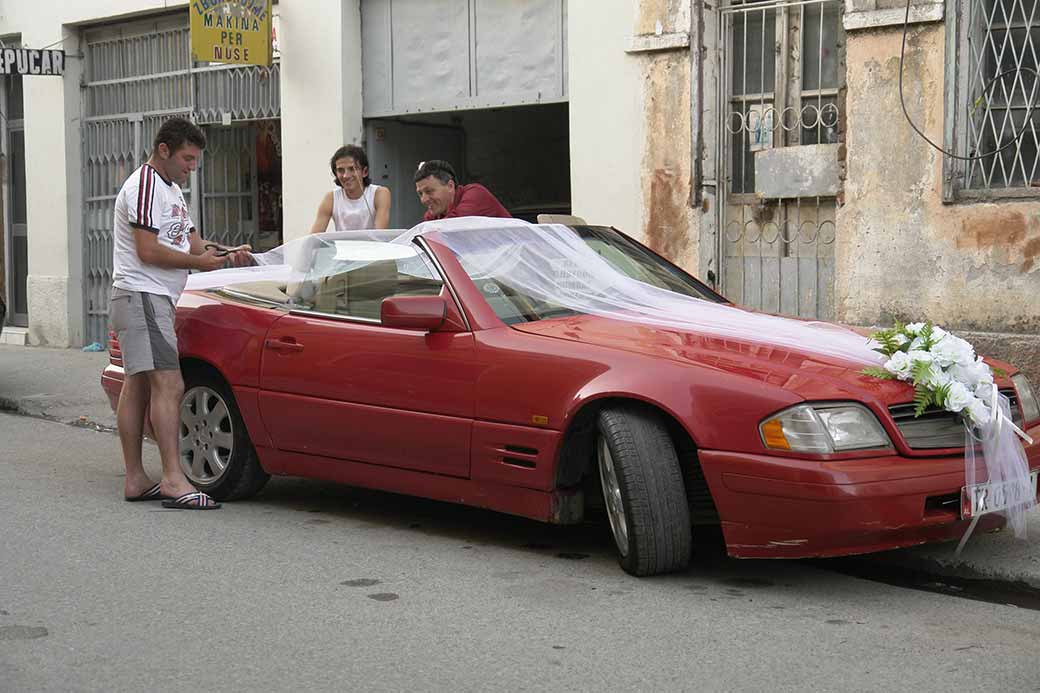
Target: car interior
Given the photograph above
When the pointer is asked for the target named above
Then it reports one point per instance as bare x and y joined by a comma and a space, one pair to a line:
357, 292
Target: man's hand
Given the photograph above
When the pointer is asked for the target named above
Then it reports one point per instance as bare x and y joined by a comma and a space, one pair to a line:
210, 260
241, 256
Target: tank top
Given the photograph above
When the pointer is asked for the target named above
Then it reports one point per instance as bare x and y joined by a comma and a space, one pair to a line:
354, 215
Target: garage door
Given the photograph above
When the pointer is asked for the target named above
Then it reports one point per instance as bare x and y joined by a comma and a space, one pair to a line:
420, 56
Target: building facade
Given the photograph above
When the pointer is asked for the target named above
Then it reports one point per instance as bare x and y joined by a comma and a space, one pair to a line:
762, 145
795, 183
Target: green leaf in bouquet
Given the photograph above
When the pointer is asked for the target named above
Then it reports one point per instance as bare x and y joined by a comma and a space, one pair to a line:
940, 395
888, 341
875, 372
922, 398
926, 336
921, 371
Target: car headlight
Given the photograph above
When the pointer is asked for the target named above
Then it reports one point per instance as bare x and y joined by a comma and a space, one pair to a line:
824, 428
1027, 402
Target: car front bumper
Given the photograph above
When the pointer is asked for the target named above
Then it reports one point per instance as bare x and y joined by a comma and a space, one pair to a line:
783, 507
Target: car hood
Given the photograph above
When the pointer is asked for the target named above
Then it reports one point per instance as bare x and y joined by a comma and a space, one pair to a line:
813, 375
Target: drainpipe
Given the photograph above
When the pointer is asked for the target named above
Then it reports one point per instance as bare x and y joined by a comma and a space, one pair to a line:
696, 100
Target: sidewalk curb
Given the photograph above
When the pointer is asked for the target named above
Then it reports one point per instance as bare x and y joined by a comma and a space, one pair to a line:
31, 408
956, 567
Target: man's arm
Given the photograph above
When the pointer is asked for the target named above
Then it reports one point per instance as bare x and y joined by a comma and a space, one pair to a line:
152, 252
321, 222
383, 208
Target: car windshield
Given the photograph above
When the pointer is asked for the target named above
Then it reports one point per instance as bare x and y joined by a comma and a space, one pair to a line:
525, 276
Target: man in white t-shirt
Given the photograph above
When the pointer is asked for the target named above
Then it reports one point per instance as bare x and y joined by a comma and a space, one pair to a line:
356, 203
155, 244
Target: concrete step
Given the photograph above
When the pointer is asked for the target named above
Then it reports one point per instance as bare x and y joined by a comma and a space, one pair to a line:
17, 336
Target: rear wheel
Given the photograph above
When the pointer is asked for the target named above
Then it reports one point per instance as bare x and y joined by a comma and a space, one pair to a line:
644, 492
215, 451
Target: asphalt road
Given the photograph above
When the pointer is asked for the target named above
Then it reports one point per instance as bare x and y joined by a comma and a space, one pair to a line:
312, 586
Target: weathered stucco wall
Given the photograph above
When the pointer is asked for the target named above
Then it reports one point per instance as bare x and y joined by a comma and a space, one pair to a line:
901, 253
669, 224
661, 17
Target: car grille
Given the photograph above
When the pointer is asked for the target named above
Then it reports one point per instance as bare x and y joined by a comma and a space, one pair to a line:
937, 428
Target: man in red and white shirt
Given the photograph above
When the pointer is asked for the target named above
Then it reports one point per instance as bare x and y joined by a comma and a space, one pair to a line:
155, 244
437, 187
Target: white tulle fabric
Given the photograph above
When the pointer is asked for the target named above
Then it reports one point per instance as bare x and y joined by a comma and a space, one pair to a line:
554, 264
994, 455
295, 261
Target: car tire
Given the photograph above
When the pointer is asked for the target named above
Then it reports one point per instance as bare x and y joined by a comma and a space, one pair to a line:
643, 491
216, 453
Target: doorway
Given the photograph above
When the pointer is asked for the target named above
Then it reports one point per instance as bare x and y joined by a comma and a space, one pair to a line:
241, 176
16, 230
520, 153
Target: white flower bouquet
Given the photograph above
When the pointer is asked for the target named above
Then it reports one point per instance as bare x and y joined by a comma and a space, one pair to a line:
943, 368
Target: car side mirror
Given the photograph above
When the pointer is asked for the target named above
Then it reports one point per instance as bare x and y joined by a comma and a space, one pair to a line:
413, 312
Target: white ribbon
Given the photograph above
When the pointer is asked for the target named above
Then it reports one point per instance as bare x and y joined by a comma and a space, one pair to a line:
1001, 419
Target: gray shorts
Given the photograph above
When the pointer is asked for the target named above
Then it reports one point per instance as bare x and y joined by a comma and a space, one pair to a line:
143, 323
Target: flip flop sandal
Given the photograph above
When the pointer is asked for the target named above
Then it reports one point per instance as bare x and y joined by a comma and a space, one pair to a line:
196, 500
152, 494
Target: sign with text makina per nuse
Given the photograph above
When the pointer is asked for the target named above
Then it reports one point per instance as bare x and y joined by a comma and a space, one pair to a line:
231, 31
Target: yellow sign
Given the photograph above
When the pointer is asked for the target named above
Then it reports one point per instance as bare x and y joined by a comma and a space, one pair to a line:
231, 31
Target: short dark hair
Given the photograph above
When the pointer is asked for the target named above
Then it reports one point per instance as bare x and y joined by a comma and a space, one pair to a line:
176, 131
438, 168
354, 152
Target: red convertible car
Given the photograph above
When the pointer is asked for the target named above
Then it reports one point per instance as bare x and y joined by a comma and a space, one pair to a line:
433, 365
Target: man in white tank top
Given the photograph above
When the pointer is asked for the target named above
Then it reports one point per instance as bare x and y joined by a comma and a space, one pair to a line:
356, 203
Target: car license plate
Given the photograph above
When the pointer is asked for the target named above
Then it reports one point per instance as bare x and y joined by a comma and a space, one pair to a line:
982, 499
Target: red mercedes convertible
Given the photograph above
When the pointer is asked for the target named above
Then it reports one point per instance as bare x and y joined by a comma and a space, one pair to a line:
473, 365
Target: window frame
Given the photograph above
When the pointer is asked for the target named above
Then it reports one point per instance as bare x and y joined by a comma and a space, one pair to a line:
955, 136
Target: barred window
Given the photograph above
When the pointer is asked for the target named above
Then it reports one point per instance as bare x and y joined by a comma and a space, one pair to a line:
780, 102
996, 58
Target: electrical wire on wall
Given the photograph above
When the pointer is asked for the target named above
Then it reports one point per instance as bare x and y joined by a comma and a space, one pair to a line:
985, 91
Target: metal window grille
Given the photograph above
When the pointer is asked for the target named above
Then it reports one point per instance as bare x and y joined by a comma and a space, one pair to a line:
806, 86
782, 70
135, 76
997, 44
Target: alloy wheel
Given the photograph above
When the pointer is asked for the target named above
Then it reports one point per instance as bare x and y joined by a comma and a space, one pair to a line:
206, 435
612, 496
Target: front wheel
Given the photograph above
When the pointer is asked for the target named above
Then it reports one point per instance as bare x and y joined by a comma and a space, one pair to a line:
215, 451
644, 492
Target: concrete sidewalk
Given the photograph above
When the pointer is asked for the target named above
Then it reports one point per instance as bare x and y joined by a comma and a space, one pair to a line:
58, 384
64, 385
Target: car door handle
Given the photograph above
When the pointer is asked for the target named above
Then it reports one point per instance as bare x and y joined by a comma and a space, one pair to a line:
283, 345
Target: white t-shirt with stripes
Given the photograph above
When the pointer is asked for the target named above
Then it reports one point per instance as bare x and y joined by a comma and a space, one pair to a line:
147, 201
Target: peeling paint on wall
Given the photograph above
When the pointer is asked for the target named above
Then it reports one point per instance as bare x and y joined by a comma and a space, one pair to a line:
1003, 228
670, 225
1030, 251
670, 15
